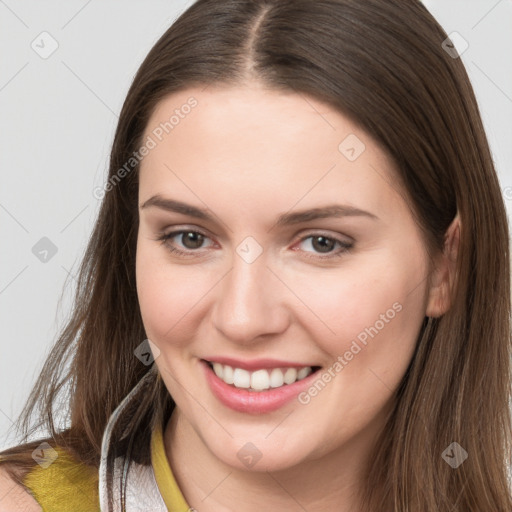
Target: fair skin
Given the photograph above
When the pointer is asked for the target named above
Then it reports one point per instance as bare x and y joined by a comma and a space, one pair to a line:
13, 497
249, 155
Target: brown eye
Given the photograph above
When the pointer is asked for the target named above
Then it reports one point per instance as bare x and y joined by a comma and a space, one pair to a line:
323, 244
192, 239
190, 242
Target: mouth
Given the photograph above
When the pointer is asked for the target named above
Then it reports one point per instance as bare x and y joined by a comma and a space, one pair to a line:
260, 391
261, 379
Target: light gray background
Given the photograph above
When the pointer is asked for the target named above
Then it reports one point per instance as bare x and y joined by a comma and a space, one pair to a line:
58, 116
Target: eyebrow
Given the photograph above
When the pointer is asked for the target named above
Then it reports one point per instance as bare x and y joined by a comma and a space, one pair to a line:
285, 219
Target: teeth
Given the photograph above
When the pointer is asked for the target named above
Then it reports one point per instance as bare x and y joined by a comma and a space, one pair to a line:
241, 378
217, 368
276, 378
290, 376
260, 380
228, 375
303, 373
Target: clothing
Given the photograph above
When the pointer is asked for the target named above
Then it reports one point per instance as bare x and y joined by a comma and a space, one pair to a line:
67, 485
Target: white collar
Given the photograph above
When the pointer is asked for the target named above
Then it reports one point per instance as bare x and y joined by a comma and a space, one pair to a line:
142, 493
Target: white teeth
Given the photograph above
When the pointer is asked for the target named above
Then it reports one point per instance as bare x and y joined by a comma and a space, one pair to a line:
303, 372
228, 375
217, 368
290, 376
241, 378
260, 380
276, 378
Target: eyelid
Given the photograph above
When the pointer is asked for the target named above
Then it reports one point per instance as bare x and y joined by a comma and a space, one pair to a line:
327, 234
175, 230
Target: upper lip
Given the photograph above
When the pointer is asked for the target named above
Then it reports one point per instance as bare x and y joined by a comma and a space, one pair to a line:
256, 364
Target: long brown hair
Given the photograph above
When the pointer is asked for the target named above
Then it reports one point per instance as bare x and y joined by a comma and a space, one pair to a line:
382, 63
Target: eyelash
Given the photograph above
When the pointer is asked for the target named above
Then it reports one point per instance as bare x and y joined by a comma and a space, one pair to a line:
165, 237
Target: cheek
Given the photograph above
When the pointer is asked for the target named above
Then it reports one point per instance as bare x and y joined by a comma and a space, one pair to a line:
167, 293
374, 310
370, 324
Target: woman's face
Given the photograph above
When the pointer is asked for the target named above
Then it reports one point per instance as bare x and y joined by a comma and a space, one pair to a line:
267, 291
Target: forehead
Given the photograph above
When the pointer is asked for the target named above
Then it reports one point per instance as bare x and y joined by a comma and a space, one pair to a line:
258, 146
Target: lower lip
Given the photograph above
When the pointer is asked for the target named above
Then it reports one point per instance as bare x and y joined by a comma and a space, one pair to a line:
255, 402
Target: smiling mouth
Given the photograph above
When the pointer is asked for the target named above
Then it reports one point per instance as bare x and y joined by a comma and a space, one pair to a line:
261, 379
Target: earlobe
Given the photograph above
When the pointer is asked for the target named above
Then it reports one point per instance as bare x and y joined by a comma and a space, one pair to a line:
444, 273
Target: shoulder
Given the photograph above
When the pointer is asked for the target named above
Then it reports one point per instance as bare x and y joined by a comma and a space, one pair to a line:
13, 497
57, 482
62, 483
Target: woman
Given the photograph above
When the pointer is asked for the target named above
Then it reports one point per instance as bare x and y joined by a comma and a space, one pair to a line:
297, 294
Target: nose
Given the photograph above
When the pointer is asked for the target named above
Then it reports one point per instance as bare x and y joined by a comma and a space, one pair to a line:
250, 302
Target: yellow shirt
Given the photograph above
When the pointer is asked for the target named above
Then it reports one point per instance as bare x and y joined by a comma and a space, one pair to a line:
171, 494
67, 485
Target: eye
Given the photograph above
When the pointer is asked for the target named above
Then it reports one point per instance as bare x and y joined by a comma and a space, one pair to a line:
323, 244
190, 239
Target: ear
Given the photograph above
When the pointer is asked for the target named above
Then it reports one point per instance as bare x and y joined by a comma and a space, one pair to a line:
443, 274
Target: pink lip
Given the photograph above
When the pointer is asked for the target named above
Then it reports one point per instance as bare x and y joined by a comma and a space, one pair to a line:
256, 364
254, 402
